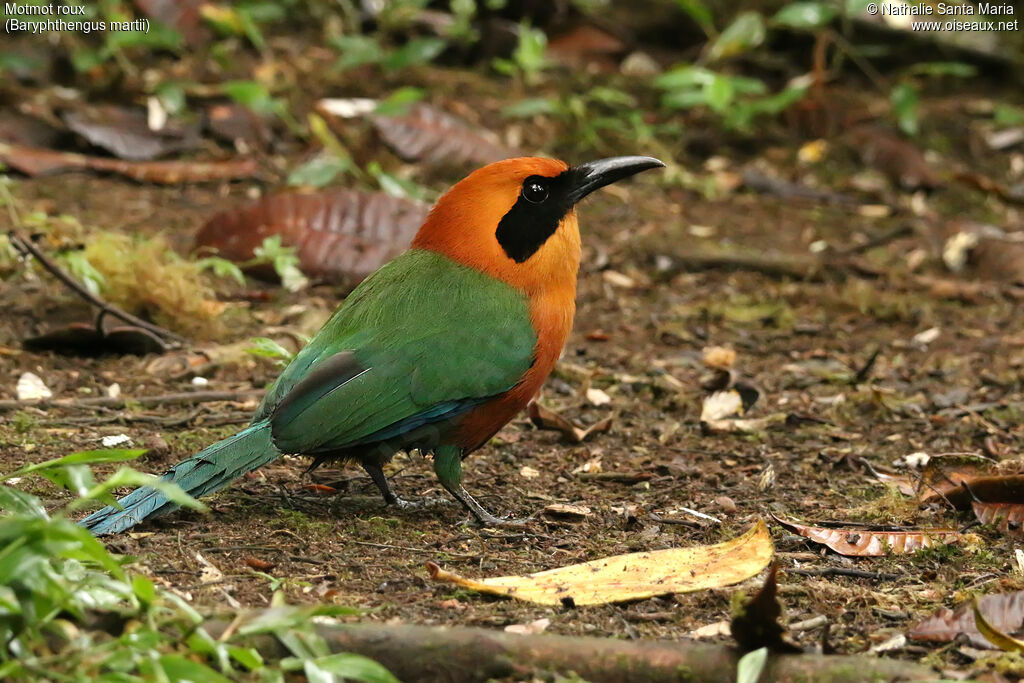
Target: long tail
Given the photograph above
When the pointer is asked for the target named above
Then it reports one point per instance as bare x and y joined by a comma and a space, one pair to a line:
204, 473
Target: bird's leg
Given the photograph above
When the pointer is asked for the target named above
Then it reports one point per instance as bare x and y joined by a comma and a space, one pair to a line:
377, 474
448, 467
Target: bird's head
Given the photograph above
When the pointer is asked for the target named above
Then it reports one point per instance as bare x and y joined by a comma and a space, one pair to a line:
516, 219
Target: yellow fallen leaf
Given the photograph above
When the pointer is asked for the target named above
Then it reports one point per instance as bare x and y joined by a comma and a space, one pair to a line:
994, 635
635, 576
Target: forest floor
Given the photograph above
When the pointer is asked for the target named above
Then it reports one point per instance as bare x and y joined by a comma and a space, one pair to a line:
644, 317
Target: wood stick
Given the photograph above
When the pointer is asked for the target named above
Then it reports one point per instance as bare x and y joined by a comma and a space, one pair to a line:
27, 248
182, 398
467, 655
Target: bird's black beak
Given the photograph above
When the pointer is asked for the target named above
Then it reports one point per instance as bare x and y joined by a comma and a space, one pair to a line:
596, 174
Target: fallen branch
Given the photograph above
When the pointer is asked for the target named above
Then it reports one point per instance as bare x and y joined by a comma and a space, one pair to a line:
183, 398
798, 266
27, 248
465, 655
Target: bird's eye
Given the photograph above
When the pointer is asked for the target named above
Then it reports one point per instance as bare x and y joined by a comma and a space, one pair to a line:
535, 191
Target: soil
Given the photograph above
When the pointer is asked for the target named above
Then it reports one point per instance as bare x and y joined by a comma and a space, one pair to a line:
639, 338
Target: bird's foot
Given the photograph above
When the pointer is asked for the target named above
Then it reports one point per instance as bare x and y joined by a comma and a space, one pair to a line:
493, 521
418, 503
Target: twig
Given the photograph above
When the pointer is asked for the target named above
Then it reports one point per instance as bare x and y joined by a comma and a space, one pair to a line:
842, 571
27, 248
182, 398
431, 551
468, 655
878, 240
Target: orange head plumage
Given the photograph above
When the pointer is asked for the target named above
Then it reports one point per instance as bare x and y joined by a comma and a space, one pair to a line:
516, 219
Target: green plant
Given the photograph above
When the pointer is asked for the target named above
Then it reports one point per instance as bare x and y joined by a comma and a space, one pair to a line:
70, 610
738, 100
268, 348
529, 59
285, 261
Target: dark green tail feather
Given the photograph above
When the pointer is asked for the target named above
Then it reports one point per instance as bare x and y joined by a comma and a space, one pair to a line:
204, 473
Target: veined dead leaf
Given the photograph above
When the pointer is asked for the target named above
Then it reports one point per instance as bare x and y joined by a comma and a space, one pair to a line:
1003, 612
126, 134
427, 132
1007, 517
341, 235
867, 542
634, 576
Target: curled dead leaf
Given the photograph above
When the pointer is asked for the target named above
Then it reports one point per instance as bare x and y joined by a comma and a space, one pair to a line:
428, 133
636, 576
545, 418
856, 541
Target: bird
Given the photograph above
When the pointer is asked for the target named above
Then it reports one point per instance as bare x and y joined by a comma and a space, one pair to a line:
435, 351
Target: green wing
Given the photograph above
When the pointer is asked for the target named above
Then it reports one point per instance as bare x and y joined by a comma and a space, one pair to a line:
422, 339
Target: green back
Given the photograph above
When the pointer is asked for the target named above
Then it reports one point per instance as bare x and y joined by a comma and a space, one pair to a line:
421, 337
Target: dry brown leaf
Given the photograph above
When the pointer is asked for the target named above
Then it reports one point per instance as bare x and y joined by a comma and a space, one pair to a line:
341, 235
587, 45
1004, 612
35, 161
867, 542
183, 15
125, 133
545, 418
894, 157
635, 576
1006, 517
756, 623
566, 511
428, 133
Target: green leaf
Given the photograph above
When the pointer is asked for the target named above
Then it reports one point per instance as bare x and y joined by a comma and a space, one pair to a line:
81, 458
126, 476
251, 94
222, 268
398, 102
904, 101
79, 266
288, 617
320, 171
181, 668
684, 99
75, 478
750, 666
15, 502
720, 93
684, 77
804, 15
356, 51
1007, 115
268, 348
249, 657
354, 667
414, 53
746, 32
144, 589
938, 69
532, 106
700, 13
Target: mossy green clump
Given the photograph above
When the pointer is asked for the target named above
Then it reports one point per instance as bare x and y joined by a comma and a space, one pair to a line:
145, 276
